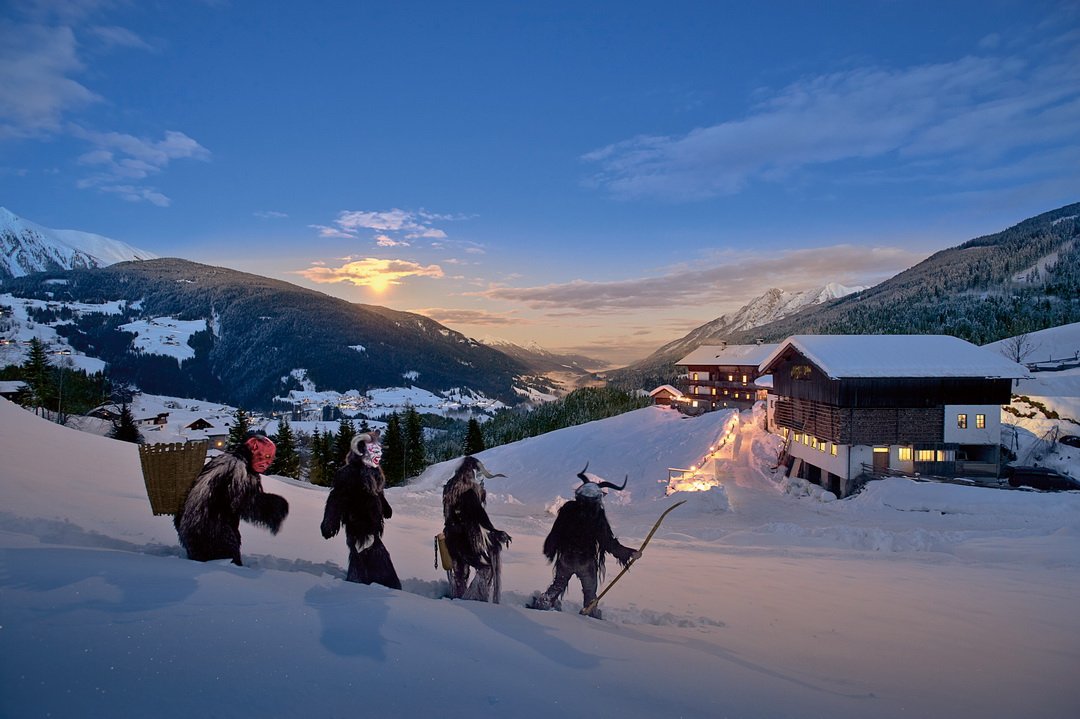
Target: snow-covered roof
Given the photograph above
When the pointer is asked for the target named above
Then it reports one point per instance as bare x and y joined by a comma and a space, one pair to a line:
898, 356
9, 386
674, 391
728, 355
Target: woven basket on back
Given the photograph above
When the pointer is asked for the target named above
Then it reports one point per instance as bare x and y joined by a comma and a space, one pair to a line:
169, 470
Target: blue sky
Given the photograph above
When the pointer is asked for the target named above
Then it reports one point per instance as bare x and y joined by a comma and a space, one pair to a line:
599, 177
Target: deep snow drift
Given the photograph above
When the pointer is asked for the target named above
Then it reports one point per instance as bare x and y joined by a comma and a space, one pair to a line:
755, 599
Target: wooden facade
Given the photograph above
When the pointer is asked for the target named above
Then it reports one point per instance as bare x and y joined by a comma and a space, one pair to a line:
719, 376
840, 427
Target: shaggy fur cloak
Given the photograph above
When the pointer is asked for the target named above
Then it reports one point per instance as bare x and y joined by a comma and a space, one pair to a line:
577, 543
357, 502
471, 538
226, 491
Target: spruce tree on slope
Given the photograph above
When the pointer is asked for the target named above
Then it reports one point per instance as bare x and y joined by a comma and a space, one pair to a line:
287, 460
125, 429
474, 438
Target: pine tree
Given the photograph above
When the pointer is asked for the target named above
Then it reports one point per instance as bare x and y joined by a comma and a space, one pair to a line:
393, 458
318, 470
125, 429
474, 438
415, 454
240, 428
343, 440
287, 460
38, 376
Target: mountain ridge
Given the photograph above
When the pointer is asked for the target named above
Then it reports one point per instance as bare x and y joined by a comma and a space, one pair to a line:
28, 247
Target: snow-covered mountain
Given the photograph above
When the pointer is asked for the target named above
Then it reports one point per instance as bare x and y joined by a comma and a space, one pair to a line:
540, 359
27, 247
774, 304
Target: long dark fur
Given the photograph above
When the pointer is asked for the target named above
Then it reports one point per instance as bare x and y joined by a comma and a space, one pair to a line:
226, 491
357, 502
471, 538
581, 533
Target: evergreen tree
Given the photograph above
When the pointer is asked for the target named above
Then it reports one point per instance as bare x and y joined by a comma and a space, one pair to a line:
318, 465
393, 458
345, 434
287, 460
474, 438
240, 427
415, 455
38, 376
125, 429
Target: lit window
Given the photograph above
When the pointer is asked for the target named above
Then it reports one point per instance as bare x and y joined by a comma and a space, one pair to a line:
980, 421
695, 376
961, 421
714, 390
904, 454
832, 450
731, 378
744, 379
925, 455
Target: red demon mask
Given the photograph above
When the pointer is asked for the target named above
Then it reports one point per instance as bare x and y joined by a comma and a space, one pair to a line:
262, 452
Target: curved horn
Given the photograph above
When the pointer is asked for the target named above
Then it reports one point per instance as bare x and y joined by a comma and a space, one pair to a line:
581, 474
484, 470
612, 485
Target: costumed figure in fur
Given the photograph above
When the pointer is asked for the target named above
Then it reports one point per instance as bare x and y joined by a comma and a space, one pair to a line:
358, 502
229, 489
471, 539
577, 543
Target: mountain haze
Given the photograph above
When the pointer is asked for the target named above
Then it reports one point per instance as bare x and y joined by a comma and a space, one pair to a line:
1023, 279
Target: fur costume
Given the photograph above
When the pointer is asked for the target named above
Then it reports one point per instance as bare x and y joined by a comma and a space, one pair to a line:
577, 543
226, 491
471, 538
358, 502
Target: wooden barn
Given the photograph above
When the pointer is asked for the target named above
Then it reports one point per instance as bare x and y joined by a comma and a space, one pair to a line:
720, 376
853, 406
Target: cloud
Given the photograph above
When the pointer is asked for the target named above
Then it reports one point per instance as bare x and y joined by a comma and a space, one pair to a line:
36, 87
325, 231
123, 158
371, 272
112, 36
270, 215
726, 285
470, 317
974, 111
394, 227
39, 62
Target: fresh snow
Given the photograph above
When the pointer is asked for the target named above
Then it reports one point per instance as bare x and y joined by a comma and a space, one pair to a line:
166, 336
29, 247
754, 599
898, 356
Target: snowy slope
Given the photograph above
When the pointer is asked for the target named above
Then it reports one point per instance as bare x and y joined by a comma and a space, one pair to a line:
751, 602
27, 247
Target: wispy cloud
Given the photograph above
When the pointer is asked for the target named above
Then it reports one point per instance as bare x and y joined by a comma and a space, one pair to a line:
725, 285
371, 272
471, 317
394, 228
121, 159
270, 215
975, 112
41, 63
37, 87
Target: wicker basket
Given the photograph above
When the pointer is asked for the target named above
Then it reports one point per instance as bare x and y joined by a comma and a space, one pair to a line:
169, 470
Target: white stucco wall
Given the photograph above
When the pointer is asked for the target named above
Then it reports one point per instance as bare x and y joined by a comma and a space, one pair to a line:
991, 434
